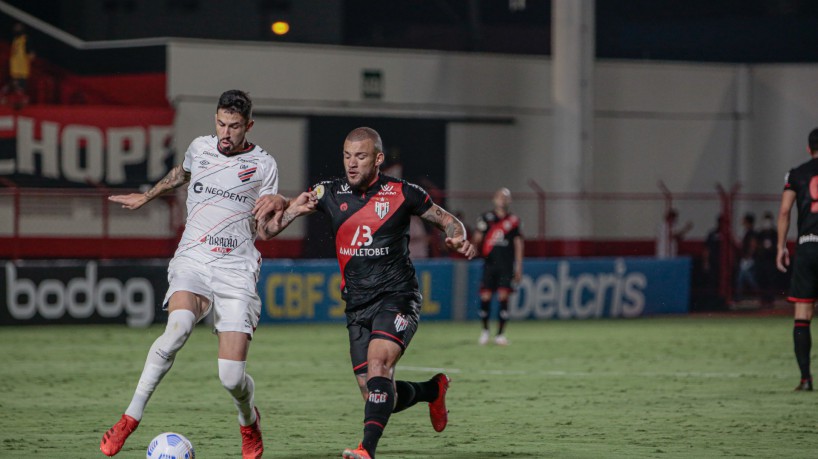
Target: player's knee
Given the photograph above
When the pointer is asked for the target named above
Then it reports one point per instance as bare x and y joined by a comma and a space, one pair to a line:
177, 331
231, 374
379, 367
483, 313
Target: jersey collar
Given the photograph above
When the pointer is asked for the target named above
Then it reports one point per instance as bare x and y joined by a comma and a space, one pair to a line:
247, 147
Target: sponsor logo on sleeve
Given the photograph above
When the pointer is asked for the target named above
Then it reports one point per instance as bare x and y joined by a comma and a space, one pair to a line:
319, 191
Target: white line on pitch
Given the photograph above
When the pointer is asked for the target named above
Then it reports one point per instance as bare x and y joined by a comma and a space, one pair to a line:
558, 373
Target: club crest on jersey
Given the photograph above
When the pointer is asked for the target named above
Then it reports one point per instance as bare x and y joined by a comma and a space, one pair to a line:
401, 323
246, 174
381, 209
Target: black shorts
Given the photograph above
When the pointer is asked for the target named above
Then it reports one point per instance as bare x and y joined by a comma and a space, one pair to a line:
496, 277
392, 317
804, 282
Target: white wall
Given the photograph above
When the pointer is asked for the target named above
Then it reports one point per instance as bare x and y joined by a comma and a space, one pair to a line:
688, 125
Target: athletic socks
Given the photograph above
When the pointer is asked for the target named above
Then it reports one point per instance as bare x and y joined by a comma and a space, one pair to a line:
160, 359
241, 387
377, 410
409, 393
803, 345
485, 308
503, 316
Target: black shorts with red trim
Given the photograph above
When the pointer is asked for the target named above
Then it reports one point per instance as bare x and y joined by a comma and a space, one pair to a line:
392, 317
496, 277
804, 282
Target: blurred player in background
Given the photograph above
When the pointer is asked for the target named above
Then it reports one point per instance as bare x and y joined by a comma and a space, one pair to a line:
804, 283
216, 264
370, 214
501, 243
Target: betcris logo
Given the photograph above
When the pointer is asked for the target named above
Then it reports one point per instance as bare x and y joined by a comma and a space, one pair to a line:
587, 289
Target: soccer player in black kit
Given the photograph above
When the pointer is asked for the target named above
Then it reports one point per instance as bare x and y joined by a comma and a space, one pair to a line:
801, 188
370, 215
500, 241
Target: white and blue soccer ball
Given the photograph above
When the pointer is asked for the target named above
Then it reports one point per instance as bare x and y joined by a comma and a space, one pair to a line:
170, 445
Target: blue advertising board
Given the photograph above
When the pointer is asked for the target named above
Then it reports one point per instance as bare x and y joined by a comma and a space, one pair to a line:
310, 290
594, 288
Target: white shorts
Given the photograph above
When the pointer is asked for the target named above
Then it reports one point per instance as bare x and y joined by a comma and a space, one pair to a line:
232, 293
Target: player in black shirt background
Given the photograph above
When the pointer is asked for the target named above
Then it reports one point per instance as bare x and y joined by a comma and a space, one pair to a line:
801, 189
500, 241
370, 215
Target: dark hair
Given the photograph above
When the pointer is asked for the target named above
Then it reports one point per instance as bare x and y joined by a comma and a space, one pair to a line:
364, 133
813, 140
236, 101
750, 218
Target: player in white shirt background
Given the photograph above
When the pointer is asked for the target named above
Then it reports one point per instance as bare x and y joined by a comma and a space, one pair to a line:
215, 265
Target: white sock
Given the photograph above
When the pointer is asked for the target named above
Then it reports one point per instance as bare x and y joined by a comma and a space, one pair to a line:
160, 359
241, 387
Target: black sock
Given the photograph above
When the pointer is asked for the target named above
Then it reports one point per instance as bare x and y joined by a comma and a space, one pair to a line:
377, 410
485, 307
503, 314
409, 393
802, 339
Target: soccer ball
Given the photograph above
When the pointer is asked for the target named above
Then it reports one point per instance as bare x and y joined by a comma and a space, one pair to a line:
170, 445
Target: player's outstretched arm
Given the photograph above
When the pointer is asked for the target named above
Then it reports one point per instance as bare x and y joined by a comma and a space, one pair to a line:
455, 231
177, 177
782, 256
271, 223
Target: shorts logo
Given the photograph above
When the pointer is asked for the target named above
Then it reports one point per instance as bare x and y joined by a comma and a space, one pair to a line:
400, 323
344, 207
382, 208
245, 175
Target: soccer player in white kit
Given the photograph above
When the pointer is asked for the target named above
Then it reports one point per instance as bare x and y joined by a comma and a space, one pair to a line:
216, 264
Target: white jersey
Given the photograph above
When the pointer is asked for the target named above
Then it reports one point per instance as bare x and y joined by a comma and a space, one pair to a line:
220, 229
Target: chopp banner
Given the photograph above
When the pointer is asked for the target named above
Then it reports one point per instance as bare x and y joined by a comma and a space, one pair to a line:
594, 288
310, 290
43, 146
74, 292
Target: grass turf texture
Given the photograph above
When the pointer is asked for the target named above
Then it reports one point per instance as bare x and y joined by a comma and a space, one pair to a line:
678, 387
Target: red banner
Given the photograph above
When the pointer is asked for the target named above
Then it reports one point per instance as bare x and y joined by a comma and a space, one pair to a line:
113, 146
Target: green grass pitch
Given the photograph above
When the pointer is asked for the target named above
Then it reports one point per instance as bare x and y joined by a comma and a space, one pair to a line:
685, 387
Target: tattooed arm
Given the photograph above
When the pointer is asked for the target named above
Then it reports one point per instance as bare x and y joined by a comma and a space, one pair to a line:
177, 177
270, 222
455, 231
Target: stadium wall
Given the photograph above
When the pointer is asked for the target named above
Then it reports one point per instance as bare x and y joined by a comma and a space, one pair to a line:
689, 125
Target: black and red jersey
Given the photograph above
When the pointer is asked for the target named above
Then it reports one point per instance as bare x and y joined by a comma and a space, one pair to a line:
372, 235
803, 180
498, 238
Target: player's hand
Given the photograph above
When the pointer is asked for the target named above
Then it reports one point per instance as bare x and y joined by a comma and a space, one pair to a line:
131, 201
782, 259
305, 203
463, 246
518, 276
268, 205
